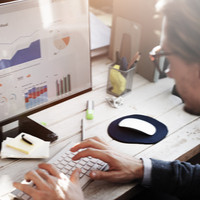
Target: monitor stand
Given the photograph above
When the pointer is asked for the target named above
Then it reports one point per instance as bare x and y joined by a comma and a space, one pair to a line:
31, 127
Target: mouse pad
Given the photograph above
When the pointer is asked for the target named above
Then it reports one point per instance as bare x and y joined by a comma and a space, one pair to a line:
128, 135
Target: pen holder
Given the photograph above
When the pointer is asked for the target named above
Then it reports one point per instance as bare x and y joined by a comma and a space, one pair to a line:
119, 82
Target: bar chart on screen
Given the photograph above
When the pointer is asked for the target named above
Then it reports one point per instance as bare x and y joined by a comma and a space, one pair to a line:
63, 86
36, 96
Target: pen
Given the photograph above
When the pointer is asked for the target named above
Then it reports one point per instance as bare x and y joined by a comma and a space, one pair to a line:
117, 58
27, 140
133, 60
82, 129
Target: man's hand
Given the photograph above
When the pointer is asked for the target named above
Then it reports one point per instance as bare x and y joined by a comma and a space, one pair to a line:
122, 168
52, 185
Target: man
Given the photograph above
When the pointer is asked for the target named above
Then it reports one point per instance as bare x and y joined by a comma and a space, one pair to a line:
180, 44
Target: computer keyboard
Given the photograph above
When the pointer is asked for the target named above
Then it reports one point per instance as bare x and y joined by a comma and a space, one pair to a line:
63, 162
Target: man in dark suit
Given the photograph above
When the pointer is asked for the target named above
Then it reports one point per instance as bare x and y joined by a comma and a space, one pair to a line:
181, 45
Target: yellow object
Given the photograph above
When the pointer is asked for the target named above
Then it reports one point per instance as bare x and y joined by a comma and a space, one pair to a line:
20, 145
117, 80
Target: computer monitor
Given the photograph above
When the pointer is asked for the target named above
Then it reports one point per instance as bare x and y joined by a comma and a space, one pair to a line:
44, 59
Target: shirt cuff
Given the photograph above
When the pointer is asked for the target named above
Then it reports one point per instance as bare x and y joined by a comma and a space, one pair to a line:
147, 172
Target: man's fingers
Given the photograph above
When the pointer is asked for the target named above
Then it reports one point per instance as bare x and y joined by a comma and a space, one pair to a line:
31, 191
101, 140
75, 177
48, 178
91, 142
107, 176
37, 179
50, 168
95, 153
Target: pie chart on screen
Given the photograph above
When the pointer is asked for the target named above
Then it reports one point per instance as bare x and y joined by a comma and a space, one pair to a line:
60, 42
61, 39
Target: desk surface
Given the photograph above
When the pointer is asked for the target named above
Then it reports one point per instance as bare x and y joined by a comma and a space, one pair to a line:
152, 99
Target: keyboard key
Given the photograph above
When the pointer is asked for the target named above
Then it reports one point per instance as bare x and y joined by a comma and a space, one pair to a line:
20, 193
76, 161
82, 162
68, 167
72, 164
70, 155
56, 162
99, 167
93, 168
67, 159
64, 171
93, 160
86, 167
83, 171
25, 197
59, 166
63, 162
86, 159
81, 175
90, 164
88, 173
79, 166
70, 172
60, 159
64, 156
101, 162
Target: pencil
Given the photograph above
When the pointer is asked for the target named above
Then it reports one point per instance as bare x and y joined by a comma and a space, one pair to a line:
82, 129
133, 60
138, 58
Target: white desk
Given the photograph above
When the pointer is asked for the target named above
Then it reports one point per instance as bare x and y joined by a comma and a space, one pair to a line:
152, 99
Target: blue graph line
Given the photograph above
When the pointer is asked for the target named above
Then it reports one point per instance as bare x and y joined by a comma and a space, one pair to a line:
24, 55
19, 38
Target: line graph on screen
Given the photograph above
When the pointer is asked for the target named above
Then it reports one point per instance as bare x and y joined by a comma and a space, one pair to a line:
21, 50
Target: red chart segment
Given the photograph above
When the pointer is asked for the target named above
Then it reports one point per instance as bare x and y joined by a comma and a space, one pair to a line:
36, 96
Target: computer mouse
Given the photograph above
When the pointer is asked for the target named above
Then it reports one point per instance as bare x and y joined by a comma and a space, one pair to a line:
138, 125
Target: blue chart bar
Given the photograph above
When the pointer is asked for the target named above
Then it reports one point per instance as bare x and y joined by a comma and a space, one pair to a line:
24, 55
36, 96
63, 86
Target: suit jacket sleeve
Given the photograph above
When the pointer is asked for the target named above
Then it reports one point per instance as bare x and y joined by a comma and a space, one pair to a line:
177, 178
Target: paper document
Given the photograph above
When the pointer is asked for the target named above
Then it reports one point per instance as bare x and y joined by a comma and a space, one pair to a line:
40, 151
99, 33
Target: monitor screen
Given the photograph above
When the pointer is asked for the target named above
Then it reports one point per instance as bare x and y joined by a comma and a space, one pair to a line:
44, 54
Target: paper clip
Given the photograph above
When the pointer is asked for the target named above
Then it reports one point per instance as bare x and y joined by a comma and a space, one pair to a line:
115, 102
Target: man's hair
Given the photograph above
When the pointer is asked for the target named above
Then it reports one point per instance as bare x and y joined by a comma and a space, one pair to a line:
183, 27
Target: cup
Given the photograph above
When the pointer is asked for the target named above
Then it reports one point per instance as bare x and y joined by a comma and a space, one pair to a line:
119, 82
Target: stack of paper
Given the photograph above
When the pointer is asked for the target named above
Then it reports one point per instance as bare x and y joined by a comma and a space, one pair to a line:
17, 148
99, 33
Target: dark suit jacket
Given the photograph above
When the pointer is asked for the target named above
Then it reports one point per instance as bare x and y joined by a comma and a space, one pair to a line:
180, 179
